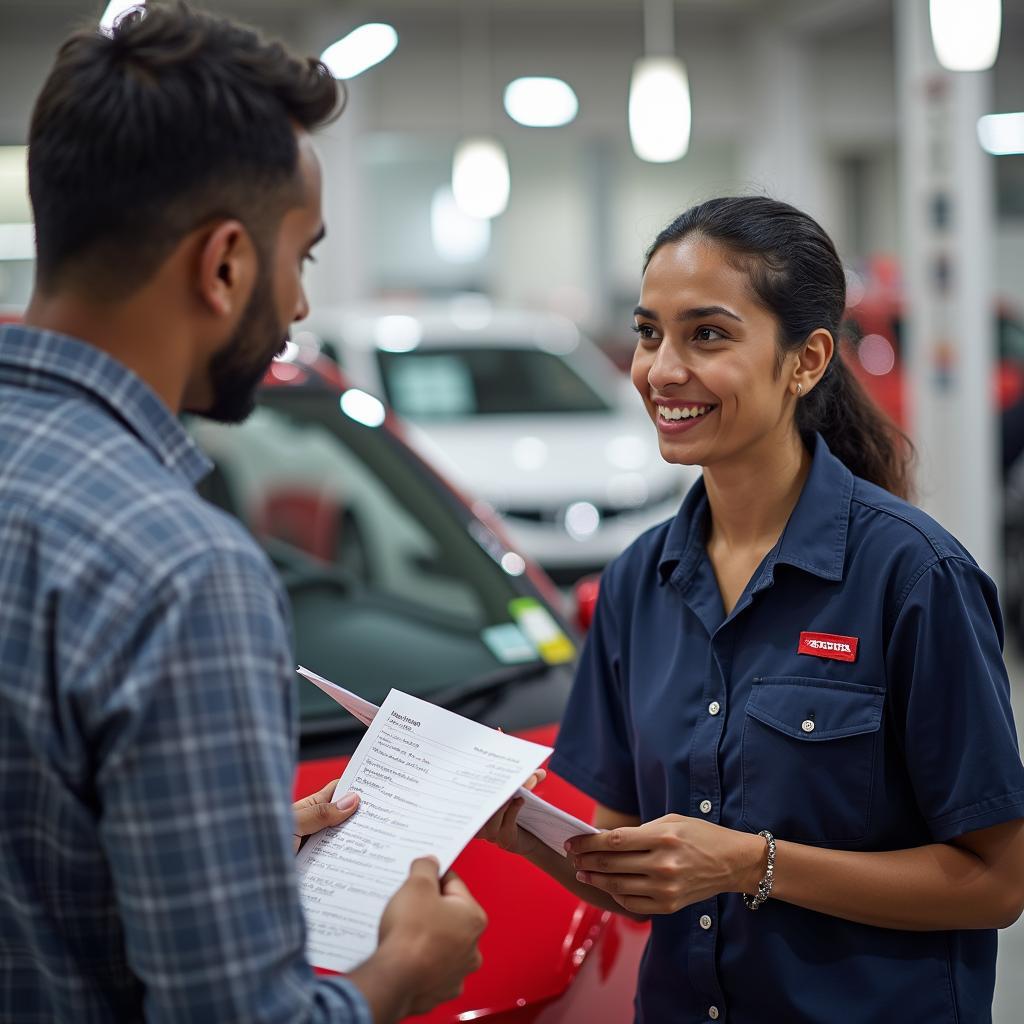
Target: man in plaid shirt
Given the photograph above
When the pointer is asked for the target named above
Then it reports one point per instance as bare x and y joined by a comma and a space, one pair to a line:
147, 718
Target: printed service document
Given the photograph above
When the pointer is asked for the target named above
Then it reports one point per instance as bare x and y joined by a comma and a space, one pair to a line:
550, 824
428, 780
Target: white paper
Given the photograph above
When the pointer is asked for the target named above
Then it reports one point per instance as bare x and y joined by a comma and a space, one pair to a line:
550, 824
428, 780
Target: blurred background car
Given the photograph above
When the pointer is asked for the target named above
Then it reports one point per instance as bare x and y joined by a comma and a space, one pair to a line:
522, 410
874, 329
874, 326
394, 581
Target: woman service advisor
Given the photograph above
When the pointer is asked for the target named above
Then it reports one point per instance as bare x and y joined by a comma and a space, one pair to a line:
792, 708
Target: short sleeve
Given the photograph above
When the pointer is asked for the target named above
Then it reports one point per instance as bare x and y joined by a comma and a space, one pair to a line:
593, 750
949, 682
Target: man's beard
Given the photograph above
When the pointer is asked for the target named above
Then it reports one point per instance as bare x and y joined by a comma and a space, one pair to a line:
237, 370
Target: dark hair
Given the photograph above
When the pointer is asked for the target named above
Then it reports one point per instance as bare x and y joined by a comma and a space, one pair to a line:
174, 119
796, 273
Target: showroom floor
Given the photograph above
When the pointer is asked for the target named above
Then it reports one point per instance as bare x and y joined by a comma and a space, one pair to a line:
1010, 969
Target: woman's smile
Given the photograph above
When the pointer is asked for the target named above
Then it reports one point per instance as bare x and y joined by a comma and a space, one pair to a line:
676, 418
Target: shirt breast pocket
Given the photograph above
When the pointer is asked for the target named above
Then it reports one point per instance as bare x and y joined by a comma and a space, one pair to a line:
808, 759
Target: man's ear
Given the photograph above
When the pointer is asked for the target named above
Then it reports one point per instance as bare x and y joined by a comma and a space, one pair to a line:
228, 265
813, 359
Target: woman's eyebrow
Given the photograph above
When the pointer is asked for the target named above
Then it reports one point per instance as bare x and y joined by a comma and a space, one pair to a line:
699, 312
696, 313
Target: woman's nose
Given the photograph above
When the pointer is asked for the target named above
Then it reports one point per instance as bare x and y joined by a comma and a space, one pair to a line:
668, 368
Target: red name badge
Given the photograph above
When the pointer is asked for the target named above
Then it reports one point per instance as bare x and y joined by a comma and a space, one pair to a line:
828, 645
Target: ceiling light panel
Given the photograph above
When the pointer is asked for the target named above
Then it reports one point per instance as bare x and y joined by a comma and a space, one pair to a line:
541, 102
360, 50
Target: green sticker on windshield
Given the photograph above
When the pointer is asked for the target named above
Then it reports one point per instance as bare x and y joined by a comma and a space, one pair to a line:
542, 630
507, 643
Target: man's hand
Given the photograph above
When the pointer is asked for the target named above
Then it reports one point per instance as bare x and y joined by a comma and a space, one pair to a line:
668, 863
428, 944
315, 812
503, 828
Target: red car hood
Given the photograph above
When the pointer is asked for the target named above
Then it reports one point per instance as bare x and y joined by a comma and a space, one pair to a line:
538, 934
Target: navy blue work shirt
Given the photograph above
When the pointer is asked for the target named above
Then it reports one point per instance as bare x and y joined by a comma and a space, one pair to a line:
855, 698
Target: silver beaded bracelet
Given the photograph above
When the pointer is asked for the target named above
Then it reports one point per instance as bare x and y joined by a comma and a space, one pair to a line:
764, 887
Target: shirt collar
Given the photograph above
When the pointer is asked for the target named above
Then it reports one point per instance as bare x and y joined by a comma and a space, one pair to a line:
684, 542
814, 538
57, 363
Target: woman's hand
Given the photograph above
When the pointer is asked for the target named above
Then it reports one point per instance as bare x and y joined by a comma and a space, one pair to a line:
315, 812
669, 863
503, 829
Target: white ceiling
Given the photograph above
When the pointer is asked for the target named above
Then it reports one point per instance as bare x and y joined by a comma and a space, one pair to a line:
58, 16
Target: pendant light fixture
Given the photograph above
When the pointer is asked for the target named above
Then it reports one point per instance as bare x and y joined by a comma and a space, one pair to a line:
659, 91
360, 50
965, 33
541, 102
480, 177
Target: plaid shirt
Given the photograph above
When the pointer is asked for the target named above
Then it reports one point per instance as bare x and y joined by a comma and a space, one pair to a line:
147, 720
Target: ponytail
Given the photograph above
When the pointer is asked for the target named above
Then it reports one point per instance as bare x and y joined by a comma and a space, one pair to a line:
862, 437
796, 273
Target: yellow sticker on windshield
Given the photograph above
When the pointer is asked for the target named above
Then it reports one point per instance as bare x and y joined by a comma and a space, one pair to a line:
542, 630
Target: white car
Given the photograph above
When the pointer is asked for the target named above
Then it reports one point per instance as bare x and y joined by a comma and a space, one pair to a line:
520, 410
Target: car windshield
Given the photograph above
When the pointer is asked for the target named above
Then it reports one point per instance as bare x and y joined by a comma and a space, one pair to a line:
455, 382
388, 577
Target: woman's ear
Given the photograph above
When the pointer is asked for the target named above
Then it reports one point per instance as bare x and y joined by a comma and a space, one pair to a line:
227, 270
813, 361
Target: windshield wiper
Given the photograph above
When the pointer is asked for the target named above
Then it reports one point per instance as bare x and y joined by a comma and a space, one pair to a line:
487, 688
340, 724
490, 685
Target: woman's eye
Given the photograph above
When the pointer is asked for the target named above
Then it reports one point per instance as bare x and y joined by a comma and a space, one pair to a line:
645, 331
709, 334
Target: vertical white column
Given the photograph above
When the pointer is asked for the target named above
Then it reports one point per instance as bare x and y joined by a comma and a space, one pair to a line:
947, 245
781, 156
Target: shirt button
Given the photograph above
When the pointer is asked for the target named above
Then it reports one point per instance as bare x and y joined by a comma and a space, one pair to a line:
807, 725
705, 922
714, 707
705, 807
713, 1012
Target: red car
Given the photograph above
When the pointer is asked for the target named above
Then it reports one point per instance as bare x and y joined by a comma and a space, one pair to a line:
874, 329
395, 581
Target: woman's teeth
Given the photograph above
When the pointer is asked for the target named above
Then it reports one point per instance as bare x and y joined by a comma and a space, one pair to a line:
685, 412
